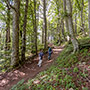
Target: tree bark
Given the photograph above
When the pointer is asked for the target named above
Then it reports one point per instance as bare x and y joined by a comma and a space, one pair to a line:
66, 19
8, 40
45, 24
62, 25
89, 15
82, 20
73, 39
24, 33
58, 23
15, 34
58, 32
35, 27
76, 24
43, 34
32, 36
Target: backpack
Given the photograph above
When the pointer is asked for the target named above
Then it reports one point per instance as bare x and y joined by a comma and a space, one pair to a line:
50, 50
41, 55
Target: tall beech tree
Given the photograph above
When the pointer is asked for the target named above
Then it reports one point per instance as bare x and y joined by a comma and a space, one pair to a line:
43, 34
66, 18
71, 29
58, 21
45, 23
62, 26
82, 17
8, 28
24, 33
89, 16
32, 20
15, 33
35, 27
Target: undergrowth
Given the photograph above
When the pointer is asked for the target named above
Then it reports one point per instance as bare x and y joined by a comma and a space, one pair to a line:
64, 74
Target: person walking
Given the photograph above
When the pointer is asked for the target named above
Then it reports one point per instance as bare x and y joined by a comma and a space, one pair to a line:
49, 52
40, 58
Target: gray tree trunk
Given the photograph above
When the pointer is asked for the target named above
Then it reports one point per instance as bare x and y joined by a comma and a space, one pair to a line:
24, 33
32, 36
62, 25
76, 24
82, 20
70, 23
45, 24
8, 40
15, 34
89, 15
66, 20
35, 27
58, 32
43, 34
58, 23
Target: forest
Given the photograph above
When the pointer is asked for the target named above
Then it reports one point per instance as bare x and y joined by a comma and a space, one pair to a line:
28, 27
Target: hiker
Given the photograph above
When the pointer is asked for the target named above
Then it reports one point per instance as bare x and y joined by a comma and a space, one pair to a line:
40, 58
49, 52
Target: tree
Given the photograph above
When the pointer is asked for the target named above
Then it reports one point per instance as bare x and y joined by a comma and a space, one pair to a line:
62, 26
43, 34
24, 33
66, 18
70, 23
58, 21
8, 29
75, 20
45, 23
15, 33
82, 17
89, 15
35, 27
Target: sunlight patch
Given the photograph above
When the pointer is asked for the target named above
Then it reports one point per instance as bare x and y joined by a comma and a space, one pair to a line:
43, 76
18, 73
36, 82
50, 61
57, 50
15, 78
4, 82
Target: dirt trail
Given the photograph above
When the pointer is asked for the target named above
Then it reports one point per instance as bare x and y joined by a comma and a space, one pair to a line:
29, 71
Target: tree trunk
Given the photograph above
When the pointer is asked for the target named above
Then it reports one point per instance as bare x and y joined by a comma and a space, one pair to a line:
82, 21
58, 23
33, 34
89, 15
45, 24
73, 39
58, 32
35, 27
24, 33
66, 20
43, 34
15, 33
8, 29
62, 25
76, 24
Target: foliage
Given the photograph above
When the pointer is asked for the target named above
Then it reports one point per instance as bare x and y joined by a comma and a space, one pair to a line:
19, 86
59, 75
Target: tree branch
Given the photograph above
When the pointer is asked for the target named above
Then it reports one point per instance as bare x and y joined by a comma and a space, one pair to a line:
3, 15
10, 6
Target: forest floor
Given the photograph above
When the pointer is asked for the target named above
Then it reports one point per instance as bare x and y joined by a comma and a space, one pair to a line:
28, 71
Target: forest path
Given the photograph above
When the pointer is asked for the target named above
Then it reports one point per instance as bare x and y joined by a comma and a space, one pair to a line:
28, 71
